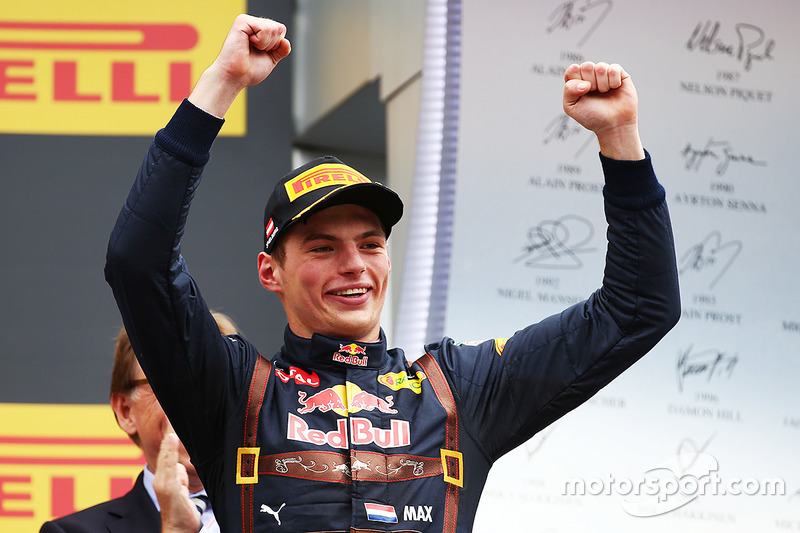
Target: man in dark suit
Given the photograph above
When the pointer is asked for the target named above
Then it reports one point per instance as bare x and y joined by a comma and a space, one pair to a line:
140, 415
133, 512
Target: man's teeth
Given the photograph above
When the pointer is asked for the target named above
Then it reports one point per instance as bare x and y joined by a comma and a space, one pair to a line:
351, 292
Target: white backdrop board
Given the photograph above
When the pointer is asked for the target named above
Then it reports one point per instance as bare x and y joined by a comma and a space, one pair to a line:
716, 402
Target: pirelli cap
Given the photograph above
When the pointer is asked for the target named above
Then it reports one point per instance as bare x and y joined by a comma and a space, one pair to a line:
321, 183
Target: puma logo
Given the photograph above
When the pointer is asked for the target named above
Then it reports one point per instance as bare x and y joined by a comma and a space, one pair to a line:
267, 509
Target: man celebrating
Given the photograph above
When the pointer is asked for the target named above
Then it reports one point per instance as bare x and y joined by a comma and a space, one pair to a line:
336, 432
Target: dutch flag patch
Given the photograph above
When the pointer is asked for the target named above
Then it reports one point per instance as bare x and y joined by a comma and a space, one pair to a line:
381, 513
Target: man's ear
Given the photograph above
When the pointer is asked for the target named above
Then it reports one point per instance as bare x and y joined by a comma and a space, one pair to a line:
269, 272
123, 410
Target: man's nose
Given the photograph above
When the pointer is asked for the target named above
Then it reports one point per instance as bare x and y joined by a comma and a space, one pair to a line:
351, 260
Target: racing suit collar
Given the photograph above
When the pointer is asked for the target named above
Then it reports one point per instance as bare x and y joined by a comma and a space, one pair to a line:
325, 352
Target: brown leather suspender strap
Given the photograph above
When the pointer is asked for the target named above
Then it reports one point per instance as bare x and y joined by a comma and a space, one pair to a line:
452, 460
247, 455
332, 467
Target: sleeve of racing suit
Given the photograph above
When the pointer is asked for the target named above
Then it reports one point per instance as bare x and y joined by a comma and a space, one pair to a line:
190, 365
549, 368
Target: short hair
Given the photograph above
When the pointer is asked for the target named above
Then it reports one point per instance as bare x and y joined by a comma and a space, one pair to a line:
279, 252
124, 358
122, 372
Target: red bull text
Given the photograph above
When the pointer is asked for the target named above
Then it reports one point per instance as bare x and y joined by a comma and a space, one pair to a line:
350, 359
362, 432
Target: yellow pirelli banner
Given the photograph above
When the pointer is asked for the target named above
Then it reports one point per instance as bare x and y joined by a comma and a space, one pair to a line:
56, 459
107, 68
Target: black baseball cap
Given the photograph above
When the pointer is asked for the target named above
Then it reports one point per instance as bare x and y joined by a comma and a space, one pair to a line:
321, 183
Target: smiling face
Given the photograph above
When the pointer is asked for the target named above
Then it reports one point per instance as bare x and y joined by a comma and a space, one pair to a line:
334, 274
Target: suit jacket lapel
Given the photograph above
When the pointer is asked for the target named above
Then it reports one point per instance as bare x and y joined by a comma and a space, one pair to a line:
135, 512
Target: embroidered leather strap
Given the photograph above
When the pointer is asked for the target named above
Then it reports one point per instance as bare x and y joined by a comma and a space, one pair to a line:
373, 466
320, 466
452, 461
334, 467
247, 455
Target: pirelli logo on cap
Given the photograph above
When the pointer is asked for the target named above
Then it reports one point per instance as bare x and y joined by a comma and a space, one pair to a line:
320, 176
105, 68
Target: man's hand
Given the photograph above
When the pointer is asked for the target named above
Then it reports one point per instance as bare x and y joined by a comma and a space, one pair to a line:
171, 483
250, 52
602, 98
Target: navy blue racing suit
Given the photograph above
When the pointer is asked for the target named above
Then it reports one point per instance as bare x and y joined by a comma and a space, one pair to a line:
350, 436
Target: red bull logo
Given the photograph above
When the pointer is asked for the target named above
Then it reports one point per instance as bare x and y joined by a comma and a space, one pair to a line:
361, 430
349, 354
344, 399
325, 400
369, 402
352, 352
352, 349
